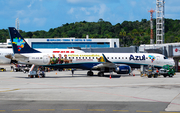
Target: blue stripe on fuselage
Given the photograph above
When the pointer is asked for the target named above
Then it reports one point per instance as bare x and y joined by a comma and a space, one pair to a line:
85, 65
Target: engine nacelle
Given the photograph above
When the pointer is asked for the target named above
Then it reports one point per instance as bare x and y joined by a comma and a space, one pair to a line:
123, 70
40, 60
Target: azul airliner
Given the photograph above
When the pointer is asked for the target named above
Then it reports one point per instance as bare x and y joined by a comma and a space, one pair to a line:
121, 63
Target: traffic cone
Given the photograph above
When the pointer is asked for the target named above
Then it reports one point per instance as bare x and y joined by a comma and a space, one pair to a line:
56, 73
110, 76
133, 74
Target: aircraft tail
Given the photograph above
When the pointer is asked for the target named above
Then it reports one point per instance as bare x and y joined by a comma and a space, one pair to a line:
19, 45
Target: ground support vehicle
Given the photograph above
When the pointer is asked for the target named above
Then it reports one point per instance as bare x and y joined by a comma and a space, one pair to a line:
36, 71
2, 69
26, 69
16, 69
167, 70
151, 71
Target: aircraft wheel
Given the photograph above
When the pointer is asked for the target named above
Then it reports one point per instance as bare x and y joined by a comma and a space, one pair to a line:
43, 75
156, 75
171, 75
149, 76
90, 73
100, 74
165, 76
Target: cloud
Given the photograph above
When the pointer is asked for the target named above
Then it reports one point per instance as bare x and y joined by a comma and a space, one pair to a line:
133, 3
39, 21
71, 11
94, 9
102, 9
84, 10
30, 4
75, 1
92, 1
25, 21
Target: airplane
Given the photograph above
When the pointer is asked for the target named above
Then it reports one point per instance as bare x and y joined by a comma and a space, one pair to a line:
6, 54
120, 63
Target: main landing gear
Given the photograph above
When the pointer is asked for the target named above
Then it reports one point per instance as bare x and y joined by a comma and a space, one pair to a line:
100, 74
90, 73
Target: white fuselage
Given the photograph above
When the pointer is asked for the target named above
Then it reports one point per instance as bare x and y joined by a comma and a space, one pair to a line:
8, 51
117, 58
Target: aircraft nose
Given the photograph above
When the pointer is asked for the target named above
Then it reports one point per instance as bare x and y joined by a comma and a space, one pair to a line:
172, 62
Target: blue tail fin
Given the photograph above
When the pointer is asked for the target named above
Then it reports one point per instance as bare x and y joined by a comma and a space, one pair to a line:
18, 43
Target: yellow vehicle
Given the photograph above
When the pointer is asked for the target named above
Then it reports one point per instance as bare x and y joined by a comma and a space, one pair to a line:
2, 69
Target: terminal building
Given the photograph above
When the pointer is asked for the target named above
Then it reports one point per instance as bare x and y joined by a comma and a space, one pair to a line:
63, 43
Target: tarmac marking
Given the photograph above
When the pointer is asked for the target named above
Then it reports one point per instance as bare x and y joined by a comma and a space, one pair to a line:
96, 110
21, 110
10, 90
139, 98
71, 109
46, 109
168, 112
144, 111
122, 110
2, 110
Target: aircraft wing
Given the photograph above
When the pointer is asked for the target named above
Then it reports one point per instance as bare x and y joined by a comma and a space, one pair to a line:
106, 64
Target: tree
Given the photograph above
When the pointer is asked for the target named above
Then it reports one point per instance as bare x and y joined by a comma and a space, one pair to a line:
71, 33
29, 34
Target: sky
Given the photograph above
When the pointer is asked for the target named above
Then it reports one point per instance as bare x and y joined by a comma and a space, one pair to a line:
45, 14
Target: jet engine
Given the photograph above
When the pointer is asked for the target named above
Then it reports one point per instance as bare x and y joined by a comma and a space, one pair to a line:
41, 60
123, 69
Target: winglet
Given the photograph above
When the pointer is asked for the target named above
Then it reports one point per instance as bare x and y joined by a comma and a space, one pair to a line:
19, 45
105, 59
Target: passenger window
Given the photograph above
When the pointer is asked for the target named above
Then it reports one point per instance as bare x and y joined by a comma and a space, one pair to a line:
76, 57
79, 57
89, 57
122, 57
112, 57
115, 57
92, 57
72, 57
119, 57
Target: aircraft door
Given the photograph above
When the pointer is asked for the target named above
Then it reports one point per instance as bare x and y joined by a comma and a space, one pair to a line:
157, 59
46, 59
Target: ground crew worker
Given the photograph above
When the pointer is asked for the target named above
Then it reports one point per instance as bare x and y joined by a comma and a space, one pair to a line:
72, 70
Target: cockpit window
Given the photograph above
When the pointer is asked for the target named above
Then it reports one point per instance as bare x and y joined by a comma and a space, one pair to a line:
165, 58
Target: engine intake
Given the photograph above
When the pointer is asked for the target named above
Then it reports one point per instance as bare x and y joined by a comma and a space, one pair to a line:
123, 70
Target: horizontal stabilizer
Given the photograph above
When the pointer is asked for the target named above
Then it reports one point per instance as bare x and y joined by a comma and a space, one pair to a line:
19, 56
